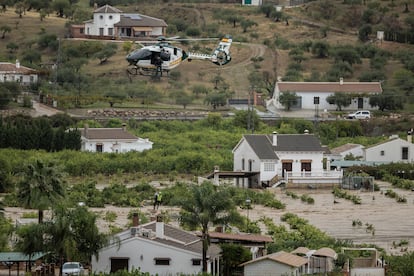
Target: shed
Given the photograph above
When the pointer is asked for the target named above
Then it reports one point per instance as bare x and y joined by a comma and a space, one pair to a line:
10, 258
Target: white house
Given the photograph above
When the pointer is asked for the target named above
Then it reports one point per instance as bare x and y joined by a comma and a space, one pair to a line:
17, 73
312, 95
158, 249
276, 264
115, 140
393, 150
291, 158
252, 2
349, 149
111, 22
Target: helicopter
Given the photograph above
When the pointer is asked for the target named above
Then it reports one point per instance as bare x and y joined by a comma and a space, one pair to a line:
163, 56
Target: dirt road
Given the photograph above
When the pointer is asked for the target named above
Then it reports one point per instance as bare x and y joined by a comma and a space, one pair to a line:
43, 110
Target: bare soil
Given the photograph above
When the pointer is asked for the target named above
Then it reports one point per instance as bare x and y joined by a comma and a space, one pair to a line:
392, 222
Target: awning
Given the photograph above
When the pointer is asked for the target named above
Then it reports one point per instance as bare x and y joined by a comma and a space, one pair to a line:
142, 29
19, 256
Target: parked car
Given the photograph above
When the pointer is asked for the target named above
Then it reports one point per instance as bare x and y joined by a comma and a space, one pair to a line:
72, 268
360, 114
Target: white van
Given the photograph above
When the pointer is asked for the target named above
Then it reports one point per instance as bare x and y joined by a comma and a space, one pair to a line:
360, 114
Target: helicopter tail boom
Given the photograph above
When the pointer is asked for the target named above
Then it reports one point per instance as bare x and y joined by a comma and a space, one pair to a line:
221, 54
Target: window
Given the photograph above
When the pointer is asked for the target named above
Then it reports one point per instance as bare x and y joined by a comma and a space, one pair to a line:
382, 153
31, 79
21, 79
110, 31
110, 17
404, 153
269, 167
242, 164
162, 261
81, 30
306, 166
250, 165
196, 261
99, 147
101, 17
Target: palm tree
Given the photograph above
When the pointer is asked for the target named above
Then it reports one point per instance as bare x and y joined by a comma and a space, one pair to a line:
207, 205
41, 186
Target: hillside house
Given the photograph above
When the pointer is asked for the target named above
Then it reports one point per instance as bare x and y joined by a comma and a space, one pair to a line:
294, 159
394, 150
312, 95
276, 264
156, 248
252, 2
15, 72
116, 140
112, 23
348, 150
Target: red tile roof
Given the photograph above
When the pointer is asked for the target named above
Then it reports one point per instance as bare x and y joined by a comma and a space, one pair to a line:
282, 257
11, 68
107, 133
107, 9
240, 237
349, 87
345, 147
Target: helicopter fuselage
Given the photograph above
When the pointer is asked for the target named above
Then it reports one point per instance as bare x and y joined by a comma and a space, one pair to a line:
161, 57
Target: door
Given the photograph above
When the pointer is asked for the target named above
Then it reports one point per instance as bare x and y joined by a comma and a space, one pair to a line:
360, 103
119, 264
286, 166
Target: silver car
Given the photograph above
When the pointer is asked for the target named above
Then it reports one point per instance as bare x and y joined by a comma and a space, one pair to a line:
72, 268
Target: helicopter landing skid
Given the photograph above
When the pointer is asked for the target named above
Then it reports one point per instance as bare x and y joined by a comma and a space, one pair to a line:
157, 73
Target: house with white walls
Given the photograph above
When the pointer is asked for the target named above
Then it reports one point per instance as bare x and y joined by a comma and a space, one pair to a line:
15, 72
114, 140
394, 150
156, 248
277, 264
252, 2
348, 150
294, 159
110, 22
313, 95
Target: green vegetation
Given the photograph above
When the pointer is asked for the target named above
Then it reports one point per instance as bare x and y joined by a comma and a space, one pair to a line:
207, 204
339, 193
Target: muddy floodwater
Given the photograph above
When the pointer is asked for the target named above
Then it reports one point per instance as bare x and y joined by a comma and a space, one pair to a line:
384, 221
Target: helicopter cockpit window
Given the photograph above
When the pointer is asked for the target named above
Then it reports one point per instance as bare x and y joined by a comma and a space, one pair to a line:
143, 54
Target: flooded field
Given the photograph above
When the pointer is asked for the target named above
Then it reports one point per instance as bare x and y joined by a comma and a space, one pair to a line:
390, 222
384, 221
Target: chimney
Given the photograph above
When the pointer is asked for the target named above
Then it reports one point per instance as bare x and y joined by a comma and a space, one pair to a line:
124, 127
274, 142
17, 64
135, 220
159, 227
410, 135
341, 81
